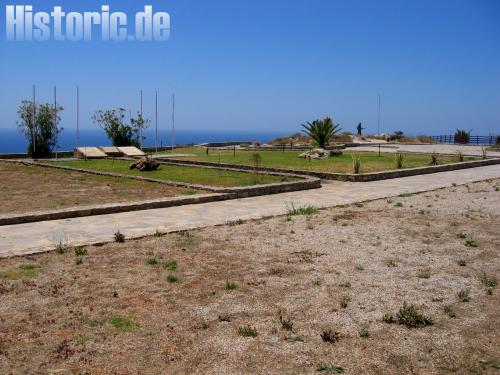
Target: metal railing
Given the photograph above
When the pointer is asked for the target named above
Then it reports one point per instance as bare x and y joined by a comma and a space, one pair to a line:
473, 139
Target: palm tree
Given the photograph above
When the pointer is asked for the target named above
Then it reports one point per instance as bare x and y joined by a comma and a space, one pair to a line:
321, 130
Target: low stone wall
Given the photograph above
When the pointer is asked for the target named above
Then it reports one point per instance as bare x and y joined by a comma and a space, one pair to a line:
61, 154
362, 177
111, 208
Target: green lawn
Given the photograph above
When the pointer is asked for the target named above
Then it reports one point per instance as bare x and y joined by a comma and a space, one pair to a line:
193, 175
370, 161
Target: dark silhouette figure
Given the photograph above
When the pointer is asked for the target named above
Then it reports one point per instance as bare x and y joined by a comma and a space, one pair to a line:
360, 128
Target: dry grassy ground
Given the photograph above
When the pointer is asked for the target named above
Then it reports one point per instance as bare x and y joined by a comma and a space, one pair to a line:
37, 189
124, 308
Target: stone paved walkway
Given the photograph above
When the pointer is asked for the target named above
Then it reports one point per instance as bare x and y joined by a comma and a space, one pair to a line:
42, 236
470, 150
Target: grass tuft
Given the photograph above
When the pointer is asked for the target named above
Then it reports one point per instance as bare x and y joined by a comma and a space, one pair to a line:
388, 318
170, 265
80, 251
411, 318
489, 281
303, 210
151, 261
231, 286
247, 331
119, 237
122, 324
464, 295
172, 279
22, 271
330, 368
330, 336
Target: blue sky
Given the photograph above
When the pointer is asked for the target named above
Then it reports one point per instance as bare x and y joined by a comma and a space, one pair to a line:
260, 65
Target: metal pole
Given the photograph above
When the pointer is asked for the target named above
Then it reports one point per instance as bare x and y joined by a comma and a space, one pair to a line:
156, 121
173, 122
378, 120
55, 113
77, 116
33, 130
140, 127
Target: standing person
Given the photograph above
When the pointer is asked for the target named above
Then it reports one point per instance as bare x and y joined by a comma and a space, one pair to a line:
360, 128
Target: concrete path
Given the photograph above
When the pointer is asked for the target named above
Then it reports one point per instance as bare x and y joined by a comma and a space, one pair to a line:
439, 148
42, 236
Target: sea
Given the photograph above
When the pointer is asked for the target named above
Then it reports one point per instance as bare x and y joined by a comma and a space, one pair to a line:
11, 141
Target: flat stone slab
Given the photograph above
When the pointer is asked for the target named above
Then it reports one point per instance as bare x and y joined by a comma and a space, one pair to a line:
90, 152
166, 156
111, 150
42, 236
131, 151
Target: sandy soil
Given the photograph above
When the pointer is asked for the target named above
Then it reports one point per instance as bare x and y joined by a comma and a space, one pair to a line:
50, 189
341, 270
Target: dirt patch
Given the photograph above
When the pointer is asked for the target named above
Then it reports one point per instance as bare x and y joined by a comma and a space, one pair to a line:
29, 188
280, 296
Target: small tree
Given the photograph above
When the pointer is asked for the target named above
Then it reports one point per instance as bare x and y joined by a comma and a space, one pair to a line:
321, 131
462, 136
112, 121
256, 161
40, 130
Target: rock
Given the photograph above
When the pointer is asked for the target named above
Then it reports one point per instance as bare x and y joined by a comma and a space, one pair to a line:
315, 153
145, 164
335, 152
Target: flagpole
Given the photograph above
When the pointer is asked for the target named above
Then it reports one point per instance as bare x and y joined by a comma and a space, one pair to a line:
33, 130
77, 116
156, 121
55, 114
378, 121
140, 126
173, 122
